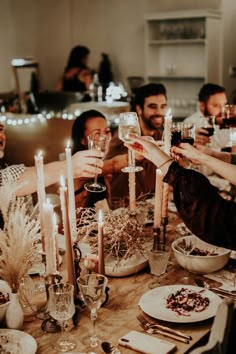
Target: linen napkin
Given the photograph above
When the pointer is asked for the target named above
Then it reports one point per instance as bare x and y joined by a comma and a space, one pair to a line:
226, 278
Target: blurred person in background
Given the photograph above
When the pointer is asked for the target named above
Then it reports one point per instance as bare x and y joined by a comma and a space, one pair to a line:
212, 98
77, 76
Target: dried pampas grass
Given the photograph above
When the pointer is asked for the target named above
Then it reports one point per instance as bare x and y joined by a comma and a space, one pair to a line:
18, 238
123, 233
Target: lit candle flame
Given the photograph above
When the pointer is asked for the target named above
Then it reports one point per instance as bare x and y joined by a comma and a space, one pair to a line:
40, 154
68, 144
168, 114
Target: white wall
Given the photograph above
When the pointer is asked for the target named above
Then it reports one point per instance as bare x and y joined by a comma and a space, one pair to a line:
47, 29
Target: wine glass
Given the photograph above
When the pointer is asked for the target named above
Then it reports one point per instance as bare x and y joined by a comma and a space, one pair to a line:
158, 261
187, 133
129, 124
100, 142
61, 307
207, 123
92, 289
186, 246
228, 116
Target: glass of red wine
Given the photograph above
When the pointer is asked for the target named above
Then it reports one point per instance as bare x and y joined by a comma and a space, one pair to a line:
229, 121
187, 133
176, 134
208, 124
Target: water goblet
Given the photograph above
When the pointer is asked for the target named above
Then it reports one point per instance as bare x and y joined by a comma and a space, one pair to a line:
100, 142
186, 246
129, 124
61, 307
158, 261
92, 289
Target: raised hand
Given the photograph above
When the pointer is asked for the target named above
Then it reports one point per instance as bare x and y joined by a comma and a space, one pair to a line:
87, 163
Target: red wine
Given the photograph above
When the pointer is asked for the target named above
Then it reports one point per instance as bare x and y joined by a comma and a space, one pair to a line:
210, 131
175, 137
187, 140
230, 121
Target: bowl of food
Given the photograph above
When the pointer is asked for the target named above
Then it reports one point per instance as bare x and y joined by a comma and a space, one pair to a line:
204, 258
5, 294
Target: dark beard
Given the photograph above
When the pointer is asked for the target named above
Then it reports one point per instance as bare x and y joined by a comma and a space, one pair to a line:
149, 122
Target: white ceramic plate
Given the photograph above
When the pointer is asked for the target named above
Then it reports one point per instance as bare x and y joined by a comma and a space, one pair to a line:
17, 342
153, 303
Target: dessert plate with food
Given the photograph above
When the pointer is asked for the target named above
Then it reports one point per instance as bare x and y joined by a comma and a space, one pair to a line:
180, 303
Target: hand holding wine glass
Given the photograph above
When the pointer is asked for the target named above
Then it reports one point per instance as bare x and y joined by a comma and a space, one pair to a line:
99, 142
129, 124
61, 307
92, 289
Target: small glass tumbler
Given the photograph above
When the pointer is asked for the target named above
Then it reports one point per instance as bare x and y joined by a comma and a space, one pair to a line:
158, 261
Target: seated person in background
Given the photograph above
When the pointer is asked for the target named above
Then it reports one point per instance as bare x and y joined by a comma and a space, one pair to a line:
211, 98
87, 123
203, 210
77, 77
150, 104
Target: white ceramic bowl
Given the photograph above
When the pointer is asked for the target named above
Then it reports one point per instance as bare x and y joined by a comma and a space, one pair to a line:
201, 264
5, 289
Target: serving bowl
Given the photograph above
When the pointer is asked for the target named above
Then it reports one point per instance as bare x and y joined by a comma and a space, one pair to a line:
5, 290
215, 260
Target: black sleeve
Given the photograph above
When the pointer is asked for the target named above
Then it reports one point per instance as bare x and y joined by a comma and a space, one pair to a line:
202, 209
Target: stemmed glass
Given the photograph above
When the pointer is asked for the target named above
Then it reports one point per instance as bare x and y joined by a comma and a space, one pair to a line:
228, 116
98, 142
129, 124
61, 307
92, 289
207, 123
186, 246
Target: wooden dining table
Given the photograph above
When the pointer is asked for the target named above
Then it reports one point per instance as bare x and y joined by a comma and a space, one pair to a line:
119, 315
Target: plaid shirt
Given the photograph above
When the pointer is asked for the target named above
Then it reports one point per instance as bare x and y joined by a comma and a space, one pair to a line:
11, 173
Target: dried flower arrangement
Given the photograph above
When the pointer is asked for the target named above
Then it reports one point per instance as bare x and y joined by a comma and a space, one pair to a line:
18, 237
124, 235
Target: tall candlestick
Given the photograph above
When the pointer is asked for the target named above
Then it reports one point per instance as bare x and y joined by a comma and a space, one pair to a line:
68, 242
40, 192
50, 247
167, 132
165, 199
71, 192
132, 191
101, 262
158, 199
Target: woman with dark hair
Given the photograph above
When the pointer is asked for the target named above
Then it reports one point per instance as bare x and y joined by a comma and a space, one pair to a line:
77, 76
87, 123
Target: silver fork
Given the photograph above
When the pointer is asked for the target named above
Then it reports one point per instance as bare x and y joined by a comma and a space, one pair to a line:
165, 331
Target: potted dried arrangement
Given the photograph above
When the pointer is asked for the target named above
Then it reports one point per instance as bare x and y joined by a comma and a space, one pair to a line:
125, 241
18, 248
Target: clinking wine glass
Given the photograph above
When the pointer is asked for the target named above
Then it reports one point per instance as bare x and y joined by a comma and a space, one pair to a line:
228, 116
98, 142
187, 133
129, 124
92, 289
61, 307
208, 124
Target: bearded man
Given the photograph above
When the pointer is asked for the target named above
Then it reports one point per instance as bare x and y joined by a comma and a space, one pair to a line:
150, 105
